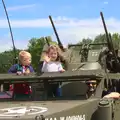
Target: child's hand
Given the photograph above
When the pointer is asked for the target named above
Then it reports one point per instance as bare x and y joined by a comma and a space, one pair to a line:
27, 72
46, 58
62, 70
19, 73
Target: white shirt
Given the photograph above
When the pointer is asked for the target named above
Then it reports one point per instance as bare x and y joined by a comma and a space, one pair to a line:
52, 67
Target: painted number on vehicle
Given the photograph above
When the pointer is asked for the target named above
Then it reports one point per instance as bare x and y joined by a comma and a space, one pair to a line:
94, 53
21, 111
77, 117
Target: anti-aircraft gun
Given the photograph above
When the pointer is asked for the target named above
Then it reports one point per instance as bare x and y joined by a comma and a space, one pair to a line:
15, 59
113, 61
77, 60
14, 48
58, 39
74, 102
67, 54
55, 31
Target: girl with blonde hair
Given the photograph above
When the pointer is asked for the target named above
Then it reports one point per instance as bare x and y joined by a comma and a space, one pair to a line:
53, 63
52, 60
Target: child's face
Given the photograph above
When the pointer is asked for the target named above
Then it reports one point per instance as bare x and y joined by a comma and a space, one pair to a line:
52, 54
26, 60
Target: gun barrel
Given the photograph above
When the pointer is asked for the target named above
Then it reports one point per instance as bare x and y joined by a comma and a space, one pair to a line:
47, 41
105, 28
55, 31
14, 49
109, 38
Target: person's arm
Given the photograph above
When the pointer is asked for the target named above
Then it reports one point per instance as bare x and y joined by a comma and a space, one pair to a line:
13, 69
60, 67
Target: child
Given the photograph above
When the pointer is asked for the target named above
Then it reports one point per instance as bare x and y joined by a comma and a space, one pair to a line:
52, 63
52, 60
23, 67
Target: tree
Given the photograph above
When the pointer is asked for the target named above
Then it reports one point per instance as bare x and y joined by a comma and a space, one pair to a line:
116, 40
6, 60
86, 41
51, 42
35, 47
100, 38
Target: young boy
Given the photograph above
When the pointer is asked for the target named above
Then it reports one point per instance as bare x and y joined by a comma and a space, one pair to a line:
24, 67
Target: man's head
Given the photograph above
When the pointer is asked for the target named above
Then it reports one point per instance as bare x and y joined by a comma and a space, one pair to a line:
25, 58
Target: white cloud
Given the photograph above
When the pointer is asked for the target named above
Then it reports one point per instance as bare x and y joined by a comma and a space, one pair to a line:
44, 22
59, 21
70, 30
6, 43
25, 23
89, 28
106, 2
14, 8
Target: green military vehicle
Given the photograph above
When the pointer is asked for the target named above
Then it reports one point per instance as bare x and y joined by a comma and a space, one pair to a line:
82, 88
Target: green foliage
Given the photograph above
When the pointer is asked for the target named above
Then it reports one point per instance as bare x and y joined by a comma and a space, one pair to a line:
51, 42
7, 60
36, 45
116, 39
86, 41
102, 39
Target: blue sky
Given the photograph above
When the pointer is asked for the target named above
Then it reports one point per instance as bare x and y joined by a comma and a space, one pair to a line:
74, 19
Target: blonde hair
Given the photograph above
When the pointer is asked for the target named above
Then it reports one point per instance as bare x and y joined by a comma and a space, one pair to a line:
60, 56
23, 53
57, 49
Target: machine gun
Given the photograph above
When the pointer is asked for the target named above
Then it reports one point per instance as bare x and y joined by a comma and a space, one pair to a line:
47, 41
15, 60
55, 31
112, 60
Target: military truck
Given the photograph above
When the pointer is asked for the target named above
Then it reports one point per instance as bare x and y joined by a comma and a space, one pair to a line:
77, 101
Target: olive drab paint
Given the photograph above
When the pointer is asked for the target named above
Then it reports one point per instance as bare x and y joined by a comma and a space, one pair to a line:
75, 117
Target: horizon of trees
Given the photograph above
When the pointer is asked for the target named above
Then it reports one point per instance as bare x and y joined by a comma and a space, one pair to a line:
35, 47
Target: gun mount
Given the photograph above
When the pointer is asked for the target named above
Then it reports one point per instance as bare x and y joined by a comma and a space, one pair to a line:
112, 59
84, 49
89, 56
